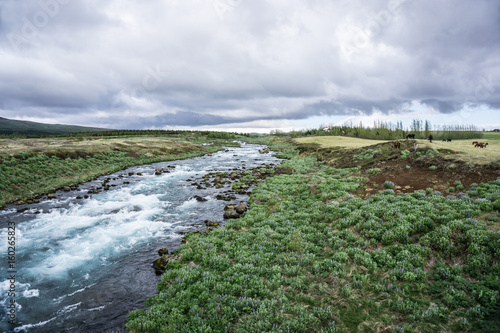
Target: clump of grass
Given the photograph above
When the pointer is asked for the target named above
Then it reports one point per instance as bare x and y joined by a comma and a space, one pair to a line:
388, 184
493, 218
373, 171
404, 154
433, 168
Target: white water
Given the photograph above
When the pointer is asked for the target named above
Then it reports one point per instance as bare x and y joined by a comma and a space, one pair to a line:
82, 265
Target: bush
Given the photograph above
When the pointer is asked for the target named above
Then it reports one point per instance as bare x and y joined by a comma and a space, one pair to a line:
388, 184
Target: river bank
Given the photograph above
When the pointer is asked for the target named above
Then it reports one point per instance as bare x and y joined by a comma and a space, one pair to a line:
91, 258
33, 168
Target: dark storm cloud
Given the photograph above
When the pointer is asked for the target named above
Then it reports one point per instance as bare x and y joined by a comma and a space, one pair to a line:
191, 63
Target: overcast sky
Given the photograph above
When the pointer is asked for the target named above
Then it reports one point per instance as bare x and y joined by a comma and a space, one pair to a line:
250, 65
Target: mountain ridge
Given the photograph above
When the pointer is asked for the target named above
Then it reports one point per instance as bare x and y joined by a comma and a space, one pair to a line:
24, 127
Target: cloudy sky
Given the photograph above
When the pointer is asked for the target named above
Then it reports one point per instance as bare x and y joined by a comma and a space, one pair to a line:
250, 65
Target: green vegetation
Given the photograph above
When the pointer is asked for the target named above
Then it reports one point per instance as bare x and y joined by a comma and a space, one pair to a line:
308, 256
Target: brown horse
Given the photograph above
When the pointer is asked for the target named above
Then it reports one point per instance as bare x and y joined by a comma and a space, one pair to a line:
481, 144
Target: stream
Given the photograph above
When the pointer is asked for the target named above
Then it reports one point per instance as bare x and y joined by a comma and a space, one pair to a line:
82, 264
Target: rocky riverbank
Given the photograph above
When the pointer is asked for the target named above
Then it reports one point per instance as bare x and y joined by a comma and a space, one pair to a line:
238, 181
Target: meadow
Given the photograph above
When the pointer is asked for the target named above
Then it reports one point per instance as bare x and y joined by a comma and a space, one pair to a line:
32, 167
312, 255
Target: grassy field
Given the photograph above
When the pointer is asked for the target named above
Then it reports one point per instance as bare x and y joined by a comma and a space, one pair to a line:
339, 141
310, 256
466, 151
30, 168
463, 148
491, 135
149, 146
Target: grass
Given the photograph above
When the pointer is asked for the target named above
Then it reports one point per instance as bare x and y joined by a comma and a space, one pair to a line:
464, 150
457, 149
339, 141
491, 135
86, 146
310, 256
32, 167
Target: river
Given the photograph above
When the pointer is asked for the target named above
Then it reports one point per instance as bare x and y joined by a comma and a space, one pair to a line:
81, 265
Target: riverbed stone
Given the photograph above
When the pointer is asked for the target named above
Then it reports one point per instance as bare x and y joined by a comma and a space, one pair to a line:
231, 214
241, 208
162, 251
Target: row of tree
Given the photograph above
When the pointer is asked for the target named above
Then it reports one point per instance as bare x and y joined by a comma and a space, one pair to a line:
390, 131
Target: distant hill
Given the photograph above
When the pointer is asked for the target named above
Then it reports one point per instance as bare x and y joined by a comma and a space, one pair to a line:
9, 126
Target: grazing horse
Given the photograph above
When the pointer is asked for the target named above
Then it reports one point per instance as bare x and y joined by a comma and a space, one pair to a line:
448, 140
474, 143
397, 144
410, 136
481, 144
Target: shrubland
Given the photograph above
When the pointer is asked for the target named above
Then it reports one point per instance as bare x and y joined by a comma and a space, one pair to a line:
311, 256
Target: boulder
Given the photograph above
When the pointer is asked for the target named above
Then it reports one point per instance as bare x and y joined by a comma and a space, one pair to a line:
241, 208
230, 207
231, 214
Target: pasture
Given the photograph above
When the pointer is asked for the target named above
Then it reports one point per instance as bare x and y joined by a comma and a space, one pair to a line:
339, 141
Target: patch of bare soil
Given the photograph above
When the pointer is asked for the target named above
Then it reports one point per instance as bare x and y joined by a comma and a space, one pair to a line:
419, 177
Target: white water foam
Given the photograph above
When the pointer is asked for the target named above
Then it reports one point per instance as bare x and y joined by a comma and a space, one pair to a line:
26, 328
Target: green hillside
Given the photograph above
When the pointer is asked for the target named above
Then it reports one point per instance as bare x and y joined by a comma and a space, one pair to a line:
9, 126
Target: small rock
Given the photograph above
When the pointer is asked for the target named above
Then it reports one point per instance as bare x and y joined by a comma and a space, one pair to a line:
198, 198
162, 252
211, 223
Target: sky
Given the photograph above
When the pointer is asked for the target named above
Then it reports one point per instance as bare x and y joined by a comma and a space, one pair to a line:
250, 65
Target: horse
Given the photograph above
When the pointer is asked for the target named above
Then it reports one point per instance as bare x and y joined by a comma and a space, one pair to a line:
474, 143
448, 140
397, 144
410, 136
481, 144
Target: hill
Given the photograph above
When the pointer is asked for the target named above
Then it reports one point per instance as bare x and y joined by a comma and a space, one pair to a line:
9, 126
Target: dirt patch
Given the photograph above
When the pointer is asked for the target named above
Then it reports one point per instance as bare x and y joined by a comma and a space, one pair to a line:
422, 168
411, 176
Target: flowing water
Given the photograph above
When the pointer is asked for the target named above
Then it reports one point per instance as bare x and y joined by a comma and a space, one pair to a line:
82, 264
